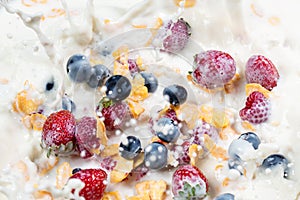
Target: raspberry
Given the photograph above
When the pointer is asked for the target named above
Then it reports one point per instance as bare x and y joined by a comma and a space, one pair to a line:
204, 128
261, 70
213, 68
257, 109
133, 67
86, 139
180, 34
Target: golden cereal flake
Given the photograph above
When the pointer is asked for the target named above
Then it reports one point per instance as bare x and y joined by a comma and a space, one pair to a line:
101, 132
43, 195
251, 87
155, 190
187, 3
47, 166
114, 195
122, 169
195, 154
139, 197
24, 169
190, 113
34, 121
248, 126
135, 108
110, 150
63, 173
232, 84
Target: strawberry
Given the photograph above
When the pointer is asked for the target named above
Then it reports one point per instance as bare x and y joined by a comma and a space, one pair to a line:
261, 70
86, 138
213, 68
114, 114
58, 134
257, 109
95, 183
180, 32
189, 182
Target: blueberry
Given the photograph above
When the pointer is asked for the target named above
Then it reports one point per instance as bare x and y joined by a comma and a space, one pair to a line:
118, 88
50, 85
75, 170
251, 138
225, 196
68, 104
130, 148
239, 147
98, 76
166, 130
276, 160
78, 68
175, 94
237, 164
150, 81
156, 156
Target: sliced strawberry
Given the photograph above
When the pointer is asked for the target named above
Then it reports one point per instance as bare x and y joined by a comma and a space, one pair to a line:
213, 68
58, 134
86, 138
189, 182
95, 181
257, 109
180, 32
261, 70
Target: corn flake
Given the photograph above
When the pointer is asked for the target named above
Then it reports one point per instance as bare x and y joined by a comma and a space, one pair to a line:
153, 189
114, 195
251, 87
63, 173
122, 169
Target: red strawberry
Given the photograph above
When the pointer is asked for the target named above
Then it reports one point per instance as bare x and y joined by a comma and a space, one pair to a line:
114, 114
86, 138
261, 70
58, 134
213, 68
95, 181
179, 36
204, 128
257, 109
188, 181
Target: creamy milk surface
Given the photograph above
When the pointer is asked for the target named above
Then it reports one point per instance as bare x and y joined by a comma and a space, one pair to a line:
38, 37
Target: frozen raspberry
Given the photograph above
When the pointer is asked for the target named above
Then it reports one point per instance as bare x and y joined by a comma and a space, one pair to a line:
183, 153
180, 32
133, 67
257, 109
261, 70
213, 68
204, 128
86, 138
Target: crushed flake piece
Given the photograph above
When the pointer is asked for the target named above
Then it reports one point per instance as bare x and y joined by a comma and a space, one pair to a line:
153, 189
195, 154
114, 195
251, 87
122, 169
43, 195
187, 3
44, 168
101, 132
110, 150
63, 173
